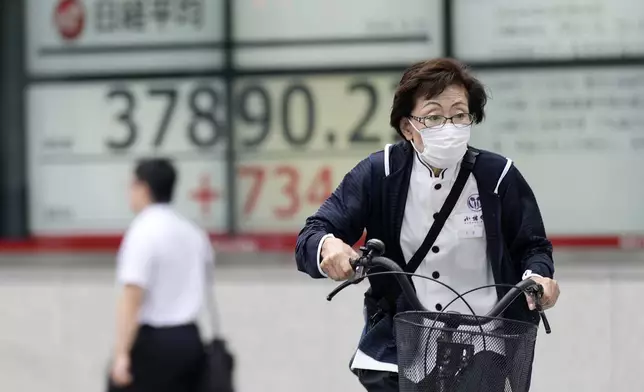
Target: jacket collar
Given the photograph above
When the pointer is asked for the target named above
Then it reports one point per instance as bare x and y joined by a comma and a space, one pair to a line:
396, 187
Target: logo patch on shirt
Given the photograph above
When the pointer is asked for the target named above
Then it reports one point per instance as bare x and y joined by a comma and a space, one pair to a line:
470, 225
470, 219
474, 202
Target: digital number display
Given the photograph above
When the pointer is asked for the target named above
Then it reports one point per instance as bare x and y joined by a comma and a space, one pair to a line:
577, 136
85, 138
301, 115
318, 33
295, 139
547, 29
279, 195
203, 130
79, 37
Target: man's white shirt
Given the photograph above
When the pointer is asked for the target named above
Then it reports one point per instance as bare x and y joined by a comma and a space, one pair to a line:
172, 259
458, 256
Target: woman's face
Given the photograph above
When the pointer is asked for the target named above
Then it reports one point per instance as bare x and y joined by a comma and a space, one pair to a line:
452, 101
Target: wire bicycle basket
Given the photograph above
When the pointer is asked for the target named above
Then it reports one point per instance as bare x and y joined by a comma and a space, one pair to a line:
453, 352
463, 353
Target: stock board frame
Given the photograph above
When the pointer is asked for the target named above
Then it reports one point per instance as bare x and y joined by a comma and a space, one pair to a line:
14, 201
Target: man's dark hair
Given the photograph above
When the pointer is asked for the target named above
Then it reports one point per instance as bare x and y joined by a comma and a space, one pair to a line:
430, 78
159, 175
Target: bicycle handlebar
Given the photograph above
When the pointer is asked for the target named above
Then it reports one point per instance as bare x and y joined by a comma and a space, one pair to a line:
372, 258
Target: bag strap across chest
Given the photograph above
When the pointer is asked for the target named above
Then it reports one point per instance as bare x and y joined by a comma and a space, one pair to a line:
467, 164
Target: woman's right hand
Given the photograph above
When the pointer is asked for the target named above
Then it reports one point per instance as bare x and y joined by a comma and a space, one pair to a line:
336, 256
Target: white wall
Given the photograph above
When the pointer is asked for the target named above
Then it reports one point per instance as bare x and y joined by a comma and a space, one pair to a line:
56, 326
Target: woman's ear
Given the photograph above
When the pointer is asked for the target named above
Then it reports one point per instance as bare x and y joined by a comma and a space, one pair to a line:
405, 128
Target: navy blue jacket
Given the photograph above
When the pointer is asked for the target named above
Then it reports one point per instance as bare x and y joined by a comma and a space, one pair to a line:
366, 199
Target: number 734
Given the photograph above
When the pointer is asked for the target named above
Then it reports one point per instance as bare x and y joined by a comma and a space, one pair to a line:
288, 202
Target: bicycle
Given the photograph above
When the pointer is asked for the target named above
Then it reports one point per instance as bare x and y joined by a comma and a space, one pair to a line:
456, 355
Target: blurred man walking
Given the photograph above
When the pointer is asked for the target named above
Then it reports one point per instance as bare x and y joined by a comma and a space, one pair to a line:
163, 265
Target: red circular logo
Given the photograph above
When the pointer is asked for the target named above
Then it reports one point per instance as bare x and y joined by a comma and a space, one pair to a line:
69, 17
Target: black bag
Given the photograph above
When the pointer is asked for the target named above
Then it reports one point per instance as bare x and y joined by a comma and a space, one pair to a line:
217, 375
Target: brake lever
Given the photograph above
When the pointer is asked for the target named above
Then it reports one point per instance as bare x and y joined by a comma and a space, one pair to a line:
361, 265
537, 293
357, 277
341, 287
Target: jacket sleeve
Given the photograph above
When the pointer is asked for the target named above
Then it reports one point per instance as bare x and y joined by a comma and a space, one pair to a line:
343, 215
523, 228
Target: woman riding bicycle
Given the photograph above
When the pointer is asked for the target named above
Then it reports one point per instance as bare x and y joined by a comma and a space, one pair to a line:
463, 216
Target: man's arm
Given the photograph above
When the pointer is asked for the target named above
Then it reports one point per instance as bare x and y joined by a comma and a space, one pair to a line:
134, 268
523, 228
343, 215
211, 314
127, 313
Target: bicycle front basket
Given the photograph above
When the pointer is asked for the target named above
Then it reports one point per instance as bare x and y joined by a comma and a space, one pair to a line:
493, 355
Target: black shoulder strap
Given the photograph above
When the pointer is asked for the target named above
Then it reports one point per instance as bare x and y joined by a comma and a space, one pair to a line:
466, 168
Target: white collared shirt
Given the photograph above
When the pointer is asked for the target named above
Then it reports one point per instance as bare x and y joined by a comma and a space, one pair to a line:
169, 257
458, 256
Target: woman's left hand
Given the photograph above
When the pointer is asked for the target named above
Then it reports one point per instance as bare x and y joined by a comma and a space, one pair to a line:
550, 293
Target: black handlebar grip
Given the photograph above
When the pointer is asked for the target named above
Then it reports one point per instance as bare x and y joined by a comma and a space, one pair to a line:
537, 289
376, 246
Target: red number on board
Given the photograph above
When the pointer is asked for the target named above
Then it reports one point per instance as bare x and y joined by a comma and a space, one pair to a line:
258, 175
290, 199
320, 188
290, 190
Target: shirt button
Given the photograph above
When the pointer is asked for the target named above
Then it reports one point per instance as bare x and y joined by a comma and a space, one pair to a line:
439, 307
436, 275
435, 249
438, 186
436, 216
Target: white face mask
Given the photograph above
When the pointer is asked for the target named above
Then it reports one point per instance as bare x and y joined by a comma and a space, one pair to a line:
443, 147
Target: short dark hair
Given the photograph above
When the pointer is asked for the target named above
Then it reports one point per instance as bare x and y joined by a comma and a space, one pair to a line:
430, 78
159, 175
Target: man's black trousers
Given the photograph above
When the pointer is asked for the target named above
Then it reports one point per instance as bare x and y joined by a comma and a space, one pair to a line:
168, 359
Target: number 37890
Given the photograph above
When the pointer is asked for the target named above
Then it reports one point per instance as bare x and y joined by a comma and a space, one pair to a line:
294, 110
